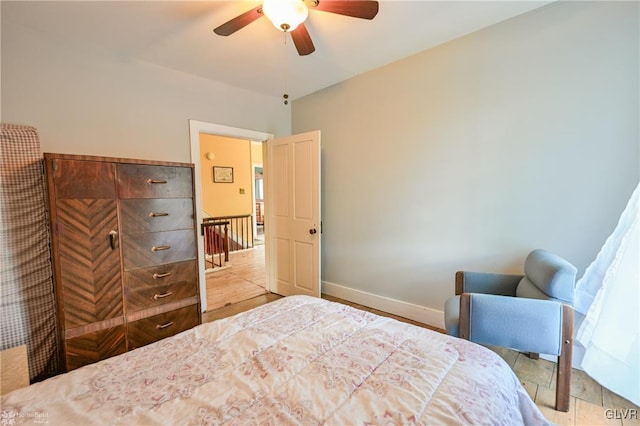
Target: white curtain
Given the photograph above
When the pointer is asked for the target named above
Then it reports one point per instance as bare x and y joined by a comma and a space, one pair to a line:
608, 296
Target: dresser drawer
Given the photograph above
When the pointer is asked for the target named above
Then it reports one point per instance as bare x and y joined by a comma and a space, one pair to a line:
151, 329
150, 287
142, 181
153, 215
158, 248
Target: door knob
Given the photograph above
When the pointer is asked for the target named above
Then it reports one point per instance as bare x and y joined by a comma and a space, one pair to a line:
313, 231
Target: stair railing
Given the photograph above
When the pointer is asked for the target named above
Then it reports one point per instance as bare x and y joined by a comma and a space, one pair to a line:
224, 234
216, 242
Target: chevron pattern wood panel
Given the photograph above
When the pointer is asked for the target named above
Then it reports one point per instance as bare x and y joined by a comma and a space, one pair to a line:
89, 267
151, 329
96, 346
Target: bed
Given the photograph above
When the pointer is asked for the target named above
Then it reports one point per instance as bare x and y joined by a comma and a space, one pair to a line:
298, 360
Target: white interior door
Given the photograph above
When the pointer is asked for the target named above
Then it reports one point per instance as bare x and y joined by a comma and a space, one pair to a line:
292, 208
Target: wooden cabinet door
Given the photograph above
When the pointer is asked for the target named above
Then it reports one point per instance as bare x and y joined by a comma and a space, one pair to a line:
86, 249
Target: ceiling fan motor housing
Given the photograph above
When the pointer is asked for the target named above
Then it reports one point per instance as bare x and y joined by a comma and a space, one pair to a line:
285, 15
289, 16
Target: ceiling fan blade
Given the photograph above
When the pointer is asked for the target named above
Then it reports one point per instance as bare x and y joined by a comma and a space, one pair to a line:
239, 22
302, 40
364, 9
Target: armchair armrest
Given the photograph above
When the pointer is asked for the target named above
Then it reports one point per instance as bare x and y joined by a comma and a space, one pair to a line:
481, 282
529, 325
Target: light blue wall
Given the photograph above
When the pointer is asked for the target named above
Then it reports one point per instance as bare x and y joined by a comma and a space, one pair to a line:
467, 156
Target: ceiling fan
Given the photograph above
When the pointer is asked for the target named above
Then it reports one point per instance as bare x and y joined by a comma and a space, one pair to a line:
289, 16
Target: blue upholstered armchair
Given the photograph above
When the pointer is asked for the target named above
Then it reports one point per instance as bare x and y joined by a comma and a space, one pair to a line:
529, 313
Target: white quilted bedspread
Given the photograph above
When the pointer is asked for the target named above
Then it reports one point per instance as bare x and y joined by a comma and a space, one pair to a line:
298, 360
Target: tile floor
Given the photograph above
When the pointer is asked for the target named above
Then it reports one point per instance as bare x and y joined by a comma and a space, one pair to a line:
590, 403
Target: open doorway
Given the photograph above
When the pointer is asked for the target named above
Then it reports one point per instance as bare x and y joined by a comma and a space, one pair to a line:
226, 188
233, 250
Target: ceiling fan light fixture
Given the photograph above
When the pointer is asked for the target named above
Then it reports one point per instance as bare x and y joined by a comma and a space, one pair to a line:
285, 15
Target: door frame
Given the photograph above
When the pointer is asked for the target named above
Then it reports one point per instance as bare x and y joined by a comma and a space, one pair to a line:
253, 184
195, 128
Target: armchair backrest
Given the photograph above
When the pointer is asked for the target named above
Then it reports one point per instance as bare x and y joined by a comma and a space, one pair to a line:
547, 276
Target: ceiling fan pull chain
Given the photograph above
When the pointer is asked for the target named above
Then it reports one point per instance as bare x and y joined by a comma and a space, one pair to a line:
285, 96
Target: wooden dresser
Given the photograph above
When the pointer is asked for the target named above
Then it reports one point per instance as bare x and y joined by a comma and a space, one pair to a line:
124, 253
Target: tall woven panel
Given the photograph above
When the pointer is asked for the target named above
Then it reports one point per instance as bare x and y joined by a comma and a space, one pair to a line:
27, 306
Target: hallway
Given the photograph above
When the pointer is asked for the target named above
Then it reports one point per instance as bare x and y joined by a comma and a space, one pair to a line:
243, 279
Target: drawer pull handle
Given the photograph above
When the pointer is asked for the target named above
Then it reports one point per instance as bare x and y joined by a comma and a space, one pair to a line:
160, 296
161, 326
113, 239
154, 181
154, 214
161, 275
158, 248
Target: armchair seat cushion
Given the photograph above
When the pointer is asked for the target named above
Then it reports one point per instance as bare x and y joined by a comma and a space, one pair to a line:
452, 316
529, 290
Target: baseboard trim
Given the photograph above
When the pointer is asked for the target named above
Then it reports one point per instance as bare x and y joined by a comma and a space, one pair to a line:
422, 314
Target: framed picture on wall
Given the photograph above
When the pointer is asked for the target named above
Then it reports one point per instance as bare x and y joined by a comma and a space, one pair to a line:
223, 174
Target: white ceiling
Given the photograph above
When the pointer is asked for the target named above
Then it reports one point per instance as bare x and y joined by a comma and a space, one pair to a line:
178, 35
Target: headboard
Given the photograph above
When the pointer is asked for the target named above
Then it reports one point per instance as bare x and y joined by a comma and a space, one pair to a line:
27, 308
